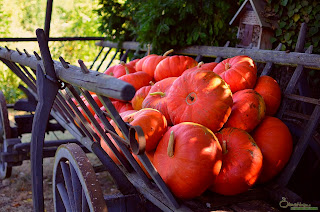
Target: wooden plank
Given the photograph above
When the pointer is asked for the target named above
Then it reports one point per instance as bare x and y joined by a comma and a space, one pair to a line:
303, 99
267, 68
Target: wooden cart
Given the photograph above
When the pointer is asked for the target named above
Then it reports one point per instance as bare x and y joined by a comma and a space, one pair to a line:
75, 187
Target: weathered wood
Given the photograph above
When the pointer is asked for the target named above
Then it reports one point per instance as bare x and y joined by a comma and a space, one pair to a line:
104, 85
267, 68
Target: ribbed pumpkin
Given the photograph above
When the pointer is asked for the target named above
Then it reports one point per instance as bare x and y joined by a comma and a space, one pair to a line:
275, 141
241, 162
270, 90
120, 70
202, 97
188, 158
247, 111
240, 72
139, 96
157, 97
173, 66
152, 122
150, 63
203, 66
137, 79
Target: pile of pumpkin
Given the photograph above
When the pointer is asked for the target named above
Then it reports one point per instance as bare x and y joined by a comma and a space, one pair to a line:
207, 125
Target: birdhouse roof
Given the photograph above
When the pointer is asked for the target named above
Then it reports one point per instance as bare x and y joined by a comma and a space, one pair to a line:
258, 8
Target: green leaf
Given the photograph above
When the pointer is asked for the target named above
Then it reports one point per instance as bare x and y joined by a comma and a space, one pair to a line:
278, 32
287, 36
304, 3
273, 39
296, 17
313, 31
282, 24
284, 2
290, 13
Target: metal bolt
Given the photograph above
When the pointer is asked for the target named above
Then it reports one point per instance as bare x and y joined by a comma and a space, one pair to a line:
27, 53
19, 51
37, 56
84, 68
64, 63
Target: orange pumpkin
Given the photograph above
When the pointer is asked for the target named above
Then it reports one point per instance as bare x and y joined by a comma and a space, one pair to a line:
241, 162
275, 141
247, 111
120, 70
150, 63
173, 66
240, 72
203, 66
139, 96
157, 97
137, 79
270, 90
188, 158
202, 97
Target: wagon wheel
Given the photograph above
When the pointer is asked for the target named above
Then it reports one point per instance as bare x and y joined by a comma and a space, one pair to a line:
75, 187
5, 132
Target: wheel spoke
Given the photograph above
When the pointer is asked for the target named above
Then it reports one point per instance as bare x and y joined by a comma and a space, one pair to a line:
67, 179
64, 196
77, 189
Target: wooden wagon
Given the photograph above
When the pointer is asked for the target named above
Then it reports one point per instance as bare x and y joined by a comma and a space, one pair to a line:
75, 187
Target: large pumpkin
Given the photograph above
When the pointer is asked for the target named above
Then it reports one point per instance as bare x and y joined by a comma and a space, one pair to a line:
247, 111
173, 66
275, 141
188, 158
240, 72
203, 66
137, 79
270, 90
241, 162
202, 97
149, 65
157, 97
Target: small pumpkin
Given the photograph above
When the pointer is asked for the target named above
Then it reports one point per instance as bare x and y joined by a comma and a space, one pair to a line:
188, 158
239, 72
157, 97
150, 63
173, 66
247, 111
120, 70
241, 162
139, 96
202, 97
137, 79
203, 66
270, 90
275, 141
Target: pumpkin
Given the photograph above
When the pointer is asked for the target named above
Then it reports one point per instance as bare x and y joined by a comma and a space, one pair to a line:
139, 96
137, 79
157, 97
270, 90
153, 125
150, 157
120, 70
202, 97
173, 66
96, 99
150, 63
247, 111
138, 64
240, 72
188, 158
241, 162
203, 66
133, 63
275, 141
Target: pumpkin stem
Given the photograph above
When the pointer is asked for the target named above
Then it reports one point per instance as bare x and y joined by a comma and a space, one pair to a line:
200, 64
168, 52
125, 67
151, 83
227, 66
148, 48
162, 94
224, 147
170, 149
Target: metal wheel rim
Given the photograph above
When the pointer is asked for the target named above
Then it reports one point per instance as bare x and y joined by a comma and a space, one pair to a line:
71, 161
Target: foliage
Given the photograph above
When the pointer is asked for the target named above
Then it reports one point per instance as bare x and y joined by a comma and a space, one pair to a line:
4, 20
31, 14
167, 24
9, 84
290, 15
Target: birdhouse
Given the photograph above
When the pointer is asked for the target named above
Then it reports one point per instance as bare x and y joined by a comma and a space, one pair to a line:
253, 28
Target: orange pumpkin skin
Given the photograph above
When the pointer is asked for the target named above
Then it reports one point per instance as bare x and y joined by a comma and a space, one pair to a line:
270, 90
120, 70
133, 63
239, 72
241, 162
247, 111
139, 96
203, 66
150, 155
137, 79
157, 97
151, 63
196, 159
153, 124
139, 64
275, 141
202, 97
173, 66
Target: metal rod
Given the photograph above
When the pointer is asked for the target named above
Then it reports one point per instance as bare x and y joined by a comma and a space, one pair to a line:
48, 18
95, 59
25, 39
